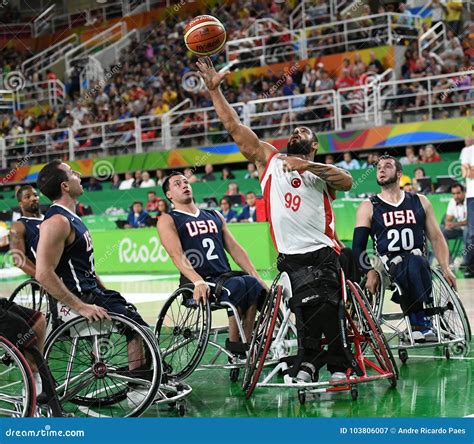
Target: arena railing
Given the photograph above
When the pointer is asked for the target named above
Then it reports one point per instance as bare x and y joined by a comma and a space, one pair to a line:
95, 43
16, 30
8, 103
336, 36
433, 97
307, 12
39, 147
434, 39
48, 92
196, 126
280, 115
352, 34
45, 59
266, 49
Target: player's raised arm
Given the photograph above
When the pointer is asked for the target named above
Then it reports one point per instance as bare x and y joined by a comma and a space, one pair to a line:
337, 178
249, 144
53, 235
434, 234
170, 239
17, 242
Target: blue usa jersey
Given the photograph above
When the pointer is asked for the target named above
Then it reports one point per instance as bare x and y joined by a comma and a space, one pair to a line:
398, 228
202, 241
31, 225
76, 266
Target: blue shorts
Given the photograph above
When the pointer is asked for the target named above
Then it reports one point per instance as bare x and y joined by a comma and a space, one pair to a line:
113, 302
244, 291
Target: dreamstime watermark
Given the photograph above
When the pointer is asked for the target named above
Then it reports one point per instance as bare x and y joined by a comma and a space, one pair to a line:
455, 169
14, 81
3, 3
281, 81
456, 83
102, 82
192, 82
360, 180
192, 259
13, 171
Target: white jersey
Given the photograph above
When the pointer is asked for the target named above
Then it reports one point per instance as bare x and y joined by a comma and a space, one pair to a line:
298, 208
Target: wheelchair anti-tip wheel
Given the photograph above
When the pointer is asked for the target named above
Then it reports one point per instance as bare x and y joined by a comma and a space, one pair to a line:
108, 368
17, 387
182, 331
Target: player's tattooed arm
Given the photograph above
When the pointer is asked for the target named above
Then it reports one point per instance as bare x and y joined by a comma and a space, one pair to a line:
249, 144
18, 247
335, 177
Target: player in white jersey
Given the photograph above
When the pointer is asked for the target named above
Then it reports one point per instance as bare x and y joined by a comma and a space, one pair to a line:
298, 194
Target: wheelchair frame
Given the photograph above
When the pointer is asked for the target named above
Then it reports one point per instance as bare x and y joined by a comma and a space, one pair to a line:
398, 325
168, 391
362, 329
186, 335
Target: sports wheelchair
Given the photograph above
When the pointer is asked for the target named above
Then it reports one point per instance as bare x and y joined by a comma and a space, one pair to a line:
90, 362
361, 336
184, 330
447, 313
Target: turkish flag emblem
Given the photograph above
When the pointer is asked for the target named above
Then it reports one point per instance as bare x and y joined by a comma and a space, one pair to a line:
296, 182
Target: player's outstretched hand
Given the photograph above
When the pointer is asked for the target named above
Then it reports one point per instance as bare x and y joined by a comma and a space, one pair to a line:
211, 78
93, 312
449, 276
372, 283
291, 163
201, 292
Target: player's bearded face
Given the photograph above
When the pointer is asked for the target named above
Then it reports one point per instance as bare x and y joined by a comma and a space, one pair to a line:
300, 146
388, 178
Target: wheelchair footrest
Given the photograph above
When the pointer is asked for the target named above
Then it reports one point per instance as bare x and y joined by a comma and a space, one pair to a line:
238, 348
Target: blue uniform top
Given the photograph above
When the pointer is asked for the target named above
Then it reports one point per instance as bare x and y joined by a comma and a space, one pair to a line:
202, 241
76, 266
398, 228
31, 225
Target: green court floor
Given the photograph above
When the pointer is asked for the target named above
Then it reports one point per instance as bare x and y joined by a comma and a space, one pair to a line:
429, 384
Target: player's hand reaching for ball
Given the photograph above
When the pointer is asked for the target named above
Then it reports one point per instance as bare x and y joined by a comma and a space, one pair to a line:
92, 312
211, 78
291, 163
201, 291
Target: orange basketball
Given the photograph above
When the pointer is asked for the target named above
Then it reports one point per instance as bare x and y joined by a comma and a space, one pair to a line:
204, 35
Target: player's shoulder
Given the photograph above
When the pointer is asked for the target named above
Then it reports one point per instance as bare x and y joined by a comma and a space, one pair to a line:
18, 226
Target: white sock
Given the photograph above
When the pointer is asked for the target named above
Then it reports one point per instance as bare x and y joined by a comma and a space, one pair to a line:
38, 383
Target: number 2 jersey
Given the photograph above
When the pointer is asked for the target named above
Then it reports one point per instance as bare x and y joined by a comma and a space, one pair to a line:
76, 266
398, 228
298, 208
202, 241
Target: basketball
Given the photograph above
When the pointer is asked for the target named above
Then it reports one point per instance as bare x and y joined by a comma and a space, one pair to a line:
204, 35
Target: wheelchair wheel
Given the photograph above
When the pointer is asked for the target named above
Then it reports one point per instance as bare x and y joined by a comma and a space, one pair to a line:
375, 301
31, 294
182, 331
17, 387
364, 321
90, 364
454, 322
261, 339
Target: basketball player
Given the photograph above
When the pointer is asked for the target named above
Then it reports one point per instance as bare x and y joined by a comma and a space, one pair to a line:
20, 322
65, 258
24, 233
399, 223
298, 194
196, 241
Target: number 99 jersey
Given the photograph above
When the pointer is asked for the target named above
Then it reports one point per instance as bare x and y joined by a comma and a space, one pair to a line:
398, 228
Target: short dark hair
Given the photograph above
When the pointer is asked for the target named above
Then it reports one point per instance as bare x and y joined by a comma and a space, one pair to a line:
152, 192
50, 179
398, 165
139, 202
251, 192
166, 183
226, 198
19, 193
457, 185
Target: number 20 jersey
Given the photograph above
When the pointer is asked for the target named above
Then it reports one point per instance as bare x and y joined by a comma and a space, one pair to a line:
298, 208
398, 228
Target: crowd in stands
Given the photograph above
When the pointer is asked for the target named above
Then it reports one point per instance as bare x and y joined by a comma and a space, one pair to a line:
148, 78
